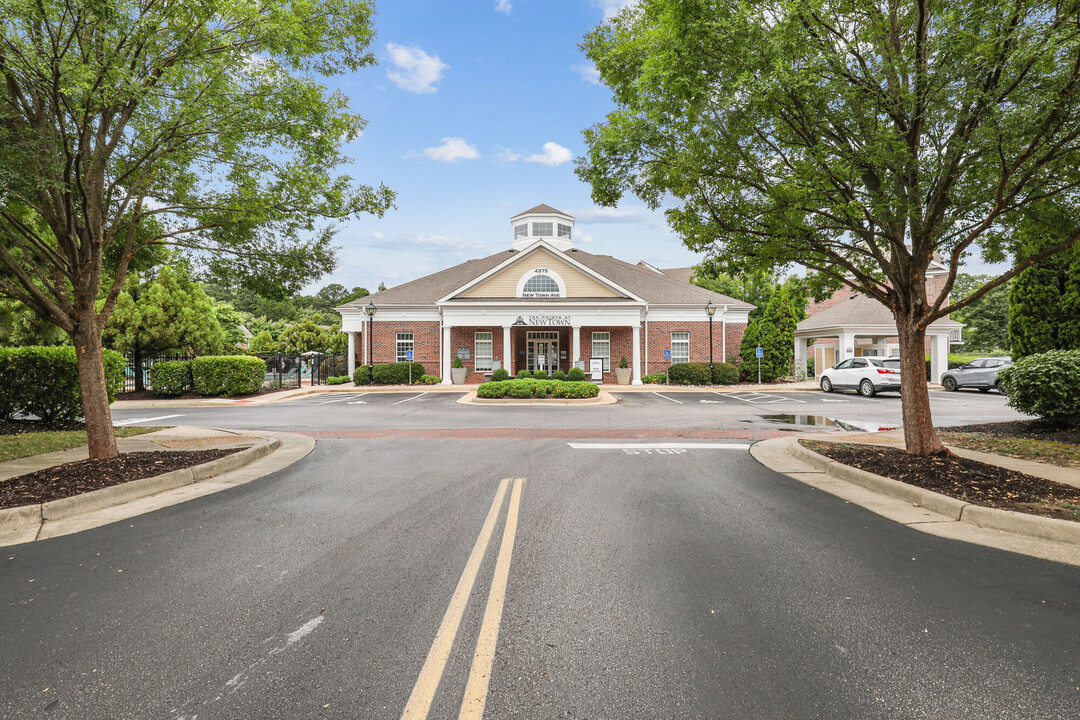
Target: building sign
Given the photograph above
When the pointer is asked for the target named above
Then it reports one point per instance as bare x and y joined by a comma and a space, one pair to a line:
548, 319
541, 283
596, 369
464, 353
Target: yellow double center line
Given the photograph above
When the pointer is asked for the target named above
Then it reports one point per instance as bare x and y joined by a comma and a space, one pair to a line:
472, 705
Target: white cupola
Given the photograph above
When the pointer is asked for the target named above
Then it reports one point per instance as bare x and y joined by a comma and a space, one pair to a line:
543, 222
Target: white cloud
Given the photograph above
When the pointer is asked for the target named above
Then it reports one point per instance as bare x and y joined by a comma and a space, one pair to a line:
451, 150
588, 73
506, 155
583, 237
503, 6
613, 215
611, 8
414, 70
554, 154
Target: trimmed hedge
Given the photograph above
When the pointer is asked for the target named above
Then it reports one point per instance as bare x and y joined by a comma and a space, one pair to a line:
558, 375
391, 374
540, 375
227, 375
172, 377
500, 375
339, 380
362, 375
44, 381
523, 374
698, 374
1045, 384
529, 388
576, 374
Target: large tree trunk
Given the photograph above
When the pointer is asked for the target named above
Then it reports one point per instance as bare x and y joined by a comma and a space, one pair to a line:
919, 434
100, 435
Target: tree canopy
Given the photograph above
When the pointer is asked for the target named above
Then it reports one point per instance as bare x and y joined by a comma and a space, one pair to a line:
126, 125
857, 139
987, 320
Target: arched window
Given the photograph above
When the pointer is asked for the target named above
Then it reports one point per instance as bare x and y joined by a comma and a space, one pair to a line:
541, 284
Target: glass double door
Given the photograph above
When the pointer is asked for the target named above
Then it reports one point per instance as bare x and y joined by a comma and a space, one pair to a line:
543, 352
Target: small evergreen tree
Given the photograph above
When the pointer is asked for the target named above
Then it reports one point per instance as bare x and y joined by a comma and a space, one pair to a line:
1044, 303
775, 333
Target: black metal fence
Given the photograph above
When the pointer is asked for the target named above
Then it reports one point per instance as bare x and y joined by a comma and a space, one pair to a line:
283, 370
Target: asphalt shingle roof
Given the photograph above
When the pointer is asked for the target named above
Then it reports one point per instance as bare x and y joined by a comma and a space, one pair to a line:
858, 310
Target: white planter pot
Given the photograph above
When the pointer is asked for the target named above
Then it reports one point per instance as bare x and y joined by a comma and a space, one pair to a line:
622, 376
457, 375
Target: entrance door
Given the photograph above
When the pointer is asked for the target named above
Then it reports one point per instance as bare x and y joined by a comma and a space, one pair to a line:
543, 352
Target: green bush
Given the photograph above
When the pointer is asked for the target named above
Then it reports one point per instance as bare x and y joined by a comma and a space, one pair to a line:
500, 375
576, 390
429, 380
493, 389
690, 374
540, 375
227, 375
44, 381
623, 363
654, 379
397, 373
1045, 384
337, 380
521, 389
362, 375
524, 375
725, 374
558, 375
169, 378
576, 374
530, 388
457, 363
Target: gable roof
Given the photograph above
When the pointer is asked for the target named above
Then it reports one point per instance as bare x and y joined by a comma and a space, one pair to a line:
859, 310
543, 209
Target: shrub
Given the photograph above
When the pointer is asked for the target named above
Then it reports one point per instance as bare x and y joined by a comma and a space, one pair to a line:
558, 375
690, 374
1046, 384
524, 375
362, 375
227, 375
521, 389
725, 374
494, 389
457, 363
429, 380
540, 375
44, 381
654, 379
576, 374
623, 363
337, 380
500, 375
576, 390
172, 377
397, 373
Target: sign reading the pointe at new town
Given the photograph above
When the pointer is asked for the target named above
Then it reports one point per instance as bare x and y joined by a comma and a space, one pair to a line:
547, 320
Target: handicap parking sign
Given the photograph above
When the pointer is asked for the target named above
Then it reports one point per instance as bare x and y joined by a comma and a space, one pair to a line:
759, 353
667, 354
408, 355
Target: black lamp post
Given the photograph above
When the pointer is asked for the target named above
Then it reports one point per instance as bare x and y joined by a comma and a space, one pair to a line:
370, 310
710, 310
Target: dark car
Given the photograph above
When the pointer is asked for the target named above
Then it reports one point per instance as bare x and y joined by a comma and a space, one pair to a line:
981, 373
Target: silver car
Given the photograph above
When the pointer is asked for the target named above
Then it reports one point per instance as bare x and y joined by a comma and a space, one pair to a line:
981, 373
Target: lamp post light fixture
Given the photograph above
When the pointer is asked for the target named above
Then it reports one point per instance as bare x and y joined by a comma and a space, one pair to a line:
710, 310
370, 310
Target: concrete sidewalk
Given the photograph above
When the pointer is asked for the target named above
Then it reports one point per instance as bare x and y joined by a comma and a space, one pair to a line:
260, 453
925, 510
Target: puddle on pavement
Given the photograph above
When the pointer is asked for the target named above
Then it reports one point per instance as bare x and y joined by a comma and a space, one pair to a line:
822, 421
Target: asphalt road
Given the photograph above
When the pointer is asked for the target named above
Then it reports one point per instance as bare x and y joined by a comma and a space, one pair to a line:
640, 582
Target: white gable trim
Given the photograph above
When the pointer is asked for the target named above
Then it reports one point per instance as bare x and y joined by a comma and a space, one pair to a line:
519, 256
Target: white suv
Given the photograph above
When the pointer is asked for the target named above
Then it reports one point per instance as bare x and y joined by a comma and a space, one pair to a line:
866, 375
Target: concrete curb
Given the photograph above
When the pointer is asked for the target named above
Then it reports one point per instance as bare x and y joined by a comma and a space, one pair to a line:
29, 516
1033, 526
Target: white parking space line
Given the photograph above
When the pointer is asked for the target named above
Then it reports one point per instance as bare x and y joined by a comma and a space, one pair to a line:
409, 398
667, 398
757, 398
358, 402
939, 398
659, 446
349, 396
132, 421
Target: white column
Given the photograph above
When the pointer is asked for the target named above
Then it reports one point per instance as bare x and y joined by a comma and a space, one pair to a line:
939, 356
446, 356
366, 343
800, 356
847, 347
576, 342
636, 364
508, 353
352, 353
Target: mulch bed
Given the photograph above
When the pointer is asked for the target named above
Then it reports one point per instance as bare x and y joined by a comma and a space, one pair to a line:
1027, 429
83, 476
968, 480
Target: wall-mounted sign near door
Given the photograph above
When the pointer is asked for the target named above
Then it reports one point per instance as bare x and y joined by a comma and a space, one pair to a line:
548, 319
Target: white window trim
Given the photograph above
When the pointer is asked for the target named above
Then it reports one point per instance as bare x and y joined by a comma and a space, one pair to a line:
607, 358
533, 273
538, 234
477, 342
521, 231
676, 358
564, 231
398, 354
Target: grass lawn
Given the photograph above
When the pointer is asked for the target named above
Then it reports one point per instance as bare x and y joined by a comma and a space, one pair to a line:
1053, 453
37, 443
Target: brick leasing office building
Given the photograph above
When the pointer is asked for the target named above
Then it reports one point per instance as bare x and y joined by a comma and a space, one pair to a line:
544, 305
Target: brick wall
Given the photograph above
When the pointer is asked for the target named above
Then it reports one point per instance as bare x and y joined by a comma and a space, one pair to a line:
622, 345
660, 340
465, 337
425, 343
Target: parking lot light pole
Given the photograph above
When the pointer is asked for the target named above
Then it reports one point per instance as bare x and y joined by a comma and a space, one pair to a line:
710, 310
370, 310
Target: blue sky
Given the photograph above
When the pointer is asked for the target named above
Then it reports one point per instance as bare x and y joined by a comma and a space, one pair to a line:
475, 113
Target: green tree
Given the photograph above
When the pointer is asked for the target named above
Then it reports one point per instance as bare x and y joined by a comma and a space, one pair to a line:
264, 342
856, 139
775, 334
21, 326
754, 287
230, 321
160, 311
1045, 298
986, 320
304, 336
210, 117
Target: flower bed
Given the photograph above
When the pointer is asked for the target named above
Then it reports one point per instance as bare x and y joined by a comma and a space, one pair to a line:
527, 388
